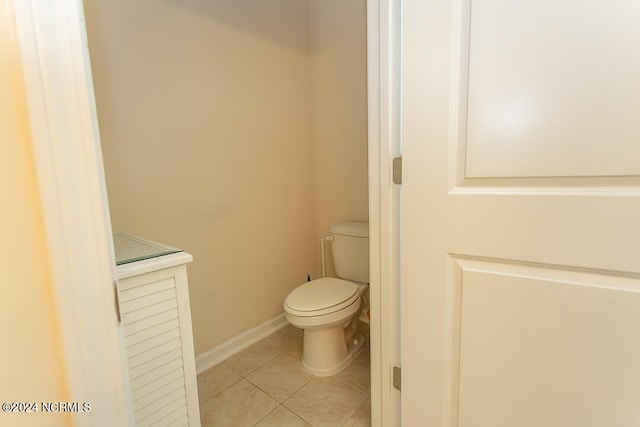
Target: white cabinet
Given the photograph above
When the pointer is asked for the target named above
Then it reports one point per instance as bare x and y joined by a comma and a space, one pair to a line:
154, 303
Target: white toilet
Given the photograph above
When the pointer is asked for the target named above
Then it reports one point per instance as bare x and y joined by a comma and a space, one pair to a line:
328, 309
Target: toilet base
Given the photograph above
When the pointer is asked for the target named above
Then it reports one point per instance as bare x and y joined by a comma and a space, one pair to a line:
326, 352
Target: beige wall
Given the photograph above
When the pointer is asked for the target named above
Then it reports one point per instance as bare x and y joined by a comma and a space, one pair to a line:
209, 140
31, 358
338, 30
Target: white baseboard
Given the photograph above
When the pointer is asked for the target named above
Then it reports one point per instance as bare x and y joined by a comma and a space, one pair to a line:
222, 351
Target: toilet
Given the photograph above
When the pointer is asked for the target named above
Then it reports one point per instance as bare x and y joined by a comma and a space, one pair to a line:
328, 309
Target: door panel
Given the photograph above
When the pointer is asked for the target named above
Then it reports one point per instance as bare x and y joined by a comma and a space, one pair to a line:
552, 88
521, 213
530, 337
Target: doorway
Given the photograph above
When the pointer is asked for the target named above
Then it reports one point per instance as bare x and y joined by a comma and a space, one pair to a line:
65, 148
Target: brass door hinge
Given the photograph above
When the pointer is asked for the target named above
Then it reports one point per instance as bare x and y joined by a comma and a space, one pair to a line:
397, 378
397, 170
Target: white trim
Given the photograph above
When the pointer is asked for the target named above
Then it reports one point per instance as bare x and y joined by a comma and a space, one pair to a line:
65, 136
383, 53
154, 264
219, 353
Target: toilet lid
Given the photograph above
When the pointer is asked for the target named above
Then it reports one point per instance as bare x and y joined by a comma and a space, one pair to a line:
320, 295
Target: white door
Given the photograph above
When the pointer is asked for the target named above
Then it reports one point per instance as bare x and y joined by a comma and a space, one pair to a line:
521, 213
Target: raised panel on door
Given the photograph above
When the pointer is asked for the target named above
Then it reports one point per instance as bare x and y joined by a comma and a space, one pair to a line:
521, 213
540, 345
552, 88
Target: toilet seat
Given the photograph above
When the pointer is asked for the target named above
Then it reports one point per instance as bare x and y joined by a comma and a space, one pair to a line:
321, 296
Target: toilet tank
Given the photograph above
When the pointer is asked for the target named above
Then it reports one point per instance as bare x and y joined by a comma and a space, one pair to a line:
350, 249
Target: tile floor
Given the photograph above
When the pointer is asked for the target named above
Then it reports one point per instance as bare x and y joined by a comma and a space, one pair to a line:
265, 385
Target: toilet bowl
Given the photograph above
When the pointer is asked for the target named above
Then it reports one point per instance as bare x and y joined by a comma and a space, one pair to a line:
327, 310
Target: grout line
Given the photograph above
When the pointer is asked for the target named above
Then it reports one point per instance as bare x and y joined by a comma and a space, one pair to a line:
219, 392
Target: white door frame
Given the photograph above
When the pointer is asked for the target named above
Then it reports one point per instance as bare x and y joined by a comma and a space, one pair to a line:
66, 143
383, 75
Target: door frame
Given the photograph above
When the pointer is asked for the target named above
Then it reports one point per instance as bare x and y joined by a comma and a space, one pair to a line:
383, 77
66, 144
61, 108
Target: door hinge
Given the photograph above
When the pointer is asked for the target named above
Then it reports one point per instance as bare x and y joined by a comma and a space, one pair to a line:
397, 378
117, 301
397, 170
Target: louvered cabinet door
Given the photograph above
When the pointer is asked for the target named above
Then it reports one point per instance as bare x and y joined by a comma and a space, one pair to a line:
157, 324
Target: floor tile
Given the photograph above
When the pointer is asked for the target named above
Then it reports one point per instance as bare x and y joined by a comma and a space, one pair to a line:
242, 404
325, 401
288, 339
282, 417
215, 380
245, 389
251, 358
362, 416
280, 377
358, 373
